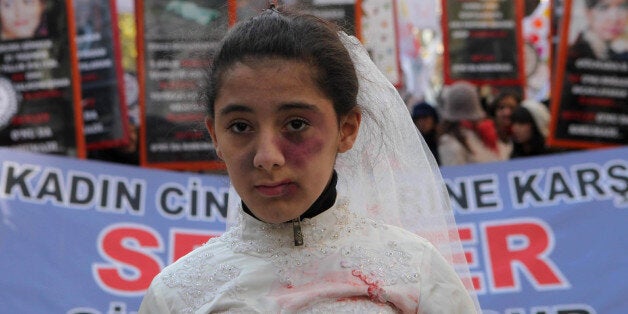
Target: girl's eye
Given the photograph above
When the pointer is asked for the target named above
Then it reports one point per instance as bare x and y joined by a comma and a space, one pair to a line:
297, 125
239, 127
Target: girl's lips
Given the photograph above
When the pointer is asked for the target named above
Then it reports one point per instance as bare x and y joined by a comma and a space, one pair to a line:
275, 190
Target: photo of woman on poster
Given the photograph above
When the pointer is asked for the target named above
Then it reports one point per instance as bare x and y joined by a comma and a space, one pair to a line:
606, 34
22, 19
590, 75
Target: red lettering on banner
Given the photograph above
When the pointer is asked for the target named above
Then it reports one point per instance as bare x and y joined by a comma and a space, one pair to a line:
132, 265
468, 236
522, 244
184, 241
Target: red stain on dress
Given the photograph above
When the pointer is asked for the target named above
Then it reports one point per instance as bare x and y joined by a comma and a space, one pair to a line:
375, 292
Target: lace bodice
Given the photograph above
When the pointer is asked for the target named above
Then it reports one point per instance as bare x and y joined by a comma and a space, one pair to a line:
347, 263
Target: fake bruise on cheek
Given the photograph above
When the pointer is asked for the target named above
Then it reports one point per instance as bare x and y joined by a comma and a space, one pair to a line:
298, 149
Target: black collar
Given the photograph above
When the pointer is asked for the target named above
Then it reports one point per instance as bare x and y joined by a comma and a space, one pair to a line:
325, 201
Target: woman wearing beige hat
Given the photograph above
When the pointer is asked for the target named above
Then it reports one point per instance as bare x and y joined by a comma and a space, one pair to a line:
468, 136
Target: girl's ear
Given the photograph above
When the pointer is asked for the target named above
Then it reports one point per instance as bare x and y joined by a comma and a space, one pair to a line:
209, 123
349, 127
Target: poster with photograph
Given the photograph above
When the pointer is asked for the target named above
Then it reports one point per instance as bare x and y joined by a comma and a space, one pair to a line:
483, 42
176, 42
345, 13
591, 76
126, 153
341, 12
40, 107
102, 86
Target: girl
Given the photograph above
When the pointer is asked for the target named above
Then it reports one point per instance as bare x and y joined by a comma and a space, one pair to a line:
530, 127
605, 37
322, 153
21, 19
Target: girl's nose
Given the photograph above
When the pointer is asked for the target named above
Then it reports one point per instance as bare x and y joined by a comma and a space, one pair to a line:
268, 155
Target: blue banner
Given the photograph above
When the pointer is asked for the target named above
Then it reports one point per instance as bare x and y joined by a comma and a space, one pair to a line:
88, 237
542, 235
546, 234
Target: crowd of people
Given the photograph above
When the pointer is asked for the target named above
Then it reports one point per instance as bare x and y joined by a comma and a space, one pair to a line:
463, 128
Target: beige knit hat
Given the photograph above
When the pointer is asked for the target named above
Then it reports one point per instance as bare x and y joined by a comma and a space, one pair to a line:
539, 113
461, 102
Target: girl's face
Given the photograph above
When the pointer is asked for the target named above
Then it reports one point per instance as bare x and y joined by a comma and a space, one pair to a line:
278, 134
521, 132
608, 18
425, 124
20, 18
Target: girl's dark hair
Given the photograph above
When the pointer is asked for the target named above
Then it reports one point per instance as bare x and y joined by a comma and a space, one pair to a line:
292, 36
503, 95
536, 146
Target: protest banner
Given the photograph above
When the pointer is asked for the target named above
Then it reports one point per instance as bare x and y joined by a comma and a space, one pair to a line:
483, 42
542, 235
176, 41
345, 13
40, 99
102, 84
591, 77
88, 237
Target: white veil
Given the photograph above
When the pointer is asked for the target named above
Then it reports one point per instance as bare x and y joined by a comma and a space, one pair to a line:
390, 174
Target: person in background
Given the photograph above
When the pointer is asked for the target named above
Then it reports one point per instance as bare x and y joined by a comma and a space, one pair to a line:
425, 117
504, 104
467, 135
22, 19
530, 128
330, 186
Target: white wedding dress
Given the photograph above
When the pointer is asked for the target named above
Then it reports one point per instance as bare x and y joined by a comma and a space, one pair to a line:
347, 264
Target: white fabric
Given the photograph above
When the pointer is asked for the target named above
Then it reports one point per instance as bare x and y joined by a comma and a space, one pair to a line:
390, 171
348, 263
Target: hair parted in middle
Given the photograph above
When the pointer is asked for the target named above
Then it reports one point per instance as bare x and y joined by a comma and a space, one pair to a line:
276, 33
